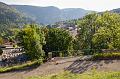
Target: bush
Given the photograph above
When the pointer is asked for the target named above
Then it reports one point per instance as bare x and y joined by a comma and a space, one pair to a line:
106, 56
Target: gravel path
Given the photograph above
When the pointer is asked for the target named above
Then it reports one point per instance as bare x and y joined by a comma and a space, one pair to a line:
70, 64
44, 69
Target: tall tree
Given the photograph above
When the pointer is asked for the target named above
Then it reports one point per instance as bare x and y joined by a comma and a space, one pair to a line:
108, 35
87, 28
99, 31
32, 41
58, 40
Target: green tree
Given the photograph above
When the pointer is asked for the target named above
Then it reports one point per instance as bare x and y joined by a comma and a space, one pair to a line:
86, 29
108, 35
1, 40
31, 39
99, 31
58, 40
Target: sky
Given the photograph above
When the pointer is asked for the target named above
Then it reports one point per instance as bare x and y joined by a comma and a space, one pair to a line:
95, 5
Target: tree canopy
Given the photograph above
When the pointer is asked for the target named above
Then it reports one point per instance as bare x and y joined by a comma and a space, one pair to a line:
58, 40
99, 31
31, 38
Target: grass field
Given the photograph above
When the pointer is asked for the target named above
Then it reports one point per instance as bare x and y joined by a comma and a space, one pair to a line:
90, 75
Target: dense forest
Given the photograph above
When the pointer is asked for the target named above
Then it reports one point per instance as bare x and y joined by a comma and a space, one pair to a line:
51, 14
11, 18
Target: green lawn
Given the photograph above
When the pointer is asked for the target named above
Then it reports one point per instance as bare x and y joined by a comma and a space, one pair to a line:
91, 75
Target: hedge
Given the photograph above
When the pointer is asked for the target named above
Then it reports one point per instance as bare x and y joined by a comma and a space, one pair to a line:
106, 56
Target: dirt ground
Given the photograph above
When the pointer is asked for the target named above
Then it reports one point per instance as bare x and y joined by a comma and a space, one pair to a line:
74, 65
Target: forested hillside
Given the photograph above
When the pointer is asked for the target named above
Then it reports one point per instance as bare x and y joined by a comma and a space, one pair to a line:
116, 10
11, 18
50, 15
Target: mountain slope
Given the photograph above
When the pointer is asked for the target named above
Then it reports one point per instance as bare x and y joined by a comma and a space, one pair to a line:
40, 14
73, 13
50, 15
10, 17
116, 10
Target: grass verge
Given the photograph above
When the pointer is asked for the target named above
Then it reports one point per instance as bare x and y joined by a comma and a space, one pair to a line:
20, 67
105, 56
91, 75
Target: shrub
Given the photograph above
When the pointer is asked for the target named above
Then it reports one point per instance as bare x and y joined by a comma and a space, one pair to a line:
106, 56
